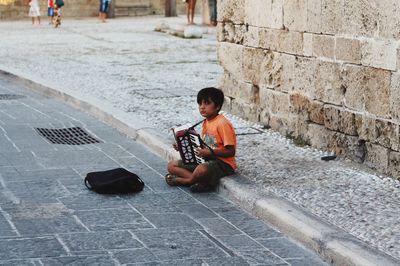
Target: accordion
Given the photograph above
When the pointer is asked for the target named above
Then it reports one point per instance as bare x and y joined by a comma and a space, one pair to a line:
188, 140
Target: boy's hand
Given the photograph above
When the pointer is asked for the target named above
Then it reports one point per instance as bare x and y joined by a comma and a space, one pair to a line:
203, 152
175, 146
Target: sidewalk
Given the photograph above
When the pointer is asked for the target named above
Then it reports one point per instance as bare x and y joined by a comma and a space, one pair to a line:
48, 216
144, 82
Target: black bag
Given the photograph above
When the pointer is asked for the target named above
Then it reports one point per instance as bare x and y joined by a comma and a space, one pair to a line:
60, 3
114, 181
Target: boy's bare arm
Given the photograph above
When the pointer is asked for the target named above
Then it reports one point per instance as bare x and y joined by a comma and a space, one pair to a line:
227, 151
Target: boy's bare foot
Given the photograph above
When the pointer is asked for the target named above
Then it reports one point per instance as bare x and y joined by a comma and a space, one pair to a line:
171, 180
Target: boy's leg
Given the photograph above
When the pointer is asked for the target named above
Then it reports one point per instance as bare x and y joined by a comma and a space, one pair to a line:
186, 175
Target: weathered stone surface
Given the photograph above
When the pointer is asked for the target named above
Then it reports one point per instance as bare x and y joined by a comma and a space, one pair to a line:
328, 83
395, 96
276, 102
394, 164
264, 13
324, 46
246, 110
318, 136
387, 134
360, 18
295, 15
231, 10
308, 44
379, 54
365, 126
314, 11
299, 103
316, 110
377, 157
354, 79
332, 117
347, 123
240, 31
348, 146
231, 57
262, 67
331, 16
247, 92
281, 41
304, 74
389, 19
252, 37
377, 94
348, 50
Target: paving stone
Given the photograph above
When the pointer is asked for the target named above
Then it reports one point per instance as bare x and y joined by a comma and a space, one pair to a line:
77, 261
17, 263
284, 248
197, 211
92, 201
255, 228
307, 262
172, 244
37, 227
172, 220
99, 241
261, 257
148, 203
5, 228
112, 219
75, 158
45, 174
219, 227
230, 261
19, 248
213, 200
240, 243
39, 190
134, 256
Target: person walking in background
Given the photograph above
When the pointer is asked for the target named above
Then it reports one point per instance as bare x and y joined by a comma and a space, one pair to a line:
190, 8
213, 12
50, 11
104, 5
34, 11
57, 12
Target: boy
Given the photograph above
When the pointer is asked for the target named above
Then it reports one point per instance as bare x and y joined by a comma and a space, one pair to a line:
219, 134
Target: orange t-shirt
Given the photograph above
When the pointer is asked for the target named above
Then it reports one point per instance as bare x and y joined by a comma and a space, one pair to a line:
218, 133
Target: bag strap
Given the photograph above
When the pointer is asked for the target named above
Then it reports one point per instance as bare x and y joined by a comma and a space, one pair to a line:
87, 184
195, 125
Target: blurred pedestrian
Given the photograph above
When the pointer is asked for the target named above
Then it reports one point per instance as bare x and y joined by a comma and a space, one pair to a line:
57, 12
50, 11
34, 11
104, 6
213, 12
190, 8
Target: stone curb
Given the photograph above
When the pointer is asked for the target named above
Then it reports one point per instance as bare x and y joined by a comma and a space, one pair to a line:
330, 242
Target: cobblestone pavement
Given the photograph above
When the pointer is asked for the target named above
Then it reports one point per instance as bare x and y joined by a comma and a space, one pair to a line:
155, 77
48, 217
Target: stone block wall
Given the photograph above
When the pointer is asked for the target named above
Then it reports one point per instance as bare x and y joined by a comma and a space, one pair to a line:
325, 71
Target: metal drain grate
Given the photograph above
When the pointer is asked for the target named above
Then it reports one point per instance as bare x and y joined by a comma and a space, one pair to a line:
68, 136
11, 96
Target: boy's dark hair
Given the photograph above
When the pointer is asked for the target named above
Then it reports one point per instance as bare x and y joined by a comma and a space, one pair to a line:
211, 94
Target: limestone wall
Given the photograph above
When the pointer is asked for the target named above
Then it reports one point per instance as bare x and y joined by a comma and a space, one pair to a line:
326, 71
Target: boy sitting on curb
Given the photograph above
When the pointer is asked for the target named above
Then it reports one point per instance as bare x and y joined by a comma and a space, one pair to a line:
219, 134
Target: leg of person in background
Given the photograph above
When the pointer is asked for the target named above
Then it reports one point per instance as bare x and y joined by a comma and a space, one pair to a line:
188, 11
38, 19
213, 12
192, 7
